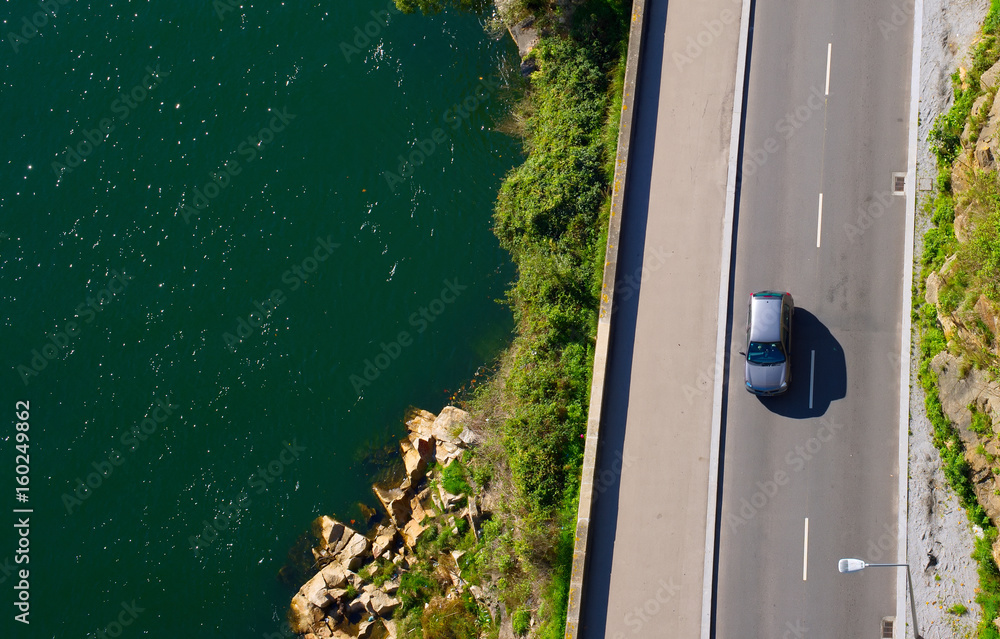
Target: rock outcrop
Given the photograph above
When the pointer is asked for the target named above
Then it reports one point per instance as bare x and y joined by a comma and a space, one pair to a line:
342, 600
960, 388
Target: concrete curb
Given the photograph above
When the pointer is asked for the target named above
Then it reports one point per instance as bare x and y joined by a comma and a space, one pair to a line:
906, 330
574, 606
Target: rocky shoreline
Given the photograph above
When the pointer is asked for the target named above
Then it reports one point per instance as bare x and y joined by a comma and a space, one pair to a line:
354, 591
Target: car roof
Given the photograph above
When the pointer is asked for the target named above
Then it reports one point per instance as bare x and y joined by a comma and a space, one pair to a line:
765, 317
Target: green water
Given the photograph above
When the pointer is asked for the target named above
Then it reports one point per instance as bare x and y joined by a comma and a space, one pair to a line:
242, 307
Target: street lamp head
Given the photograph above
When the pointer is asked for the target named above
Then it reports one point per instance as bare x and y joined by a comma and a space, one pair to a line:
851, 565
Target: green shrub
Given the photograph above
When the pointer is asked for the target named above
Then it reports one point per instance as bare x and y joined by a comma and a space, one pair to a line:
551, 215
415, 589
980, 421
992, 21
454, 479
950, 297
521, 620
958, 609
936, 242
944, 210
435, 6
450, 619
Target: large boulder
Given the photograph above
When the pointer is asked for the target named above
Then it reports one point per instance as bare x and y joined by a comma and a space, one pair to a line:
448, 500
933, 288
314, 591
420, 422
990, 78
413, 460
396, 502
334, 575
384, 540
381, 604
345, 536
990, 316
353, 554
327, 530
977, 108
300, 615
449, 425
411, 532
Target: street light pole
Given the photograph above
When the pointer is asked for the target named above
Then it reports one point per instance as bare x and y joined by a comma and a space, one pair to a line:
854, 565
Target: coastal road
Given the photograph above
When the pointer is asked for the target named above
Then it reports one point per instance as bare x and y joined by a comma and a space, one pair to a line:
806, 478
812, 476
646, 570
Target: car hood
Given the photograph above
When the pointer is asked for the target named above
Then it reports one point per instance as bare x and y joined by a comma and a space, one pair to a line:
766, 378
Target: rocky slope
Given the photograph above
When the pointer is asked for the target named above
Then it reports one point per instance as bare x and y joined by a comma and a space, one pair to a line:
352, 594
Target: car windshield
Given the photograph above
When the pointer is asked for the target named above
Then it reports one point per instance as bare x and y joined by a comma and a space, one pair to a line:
765, 353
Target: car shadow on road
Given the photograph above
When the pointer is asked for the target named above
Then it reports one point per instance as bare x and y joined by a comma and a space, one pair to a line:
813, 387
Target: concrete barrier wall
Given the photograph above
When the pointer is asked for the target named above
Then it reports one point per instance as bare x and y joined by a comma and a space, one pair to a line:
575, 605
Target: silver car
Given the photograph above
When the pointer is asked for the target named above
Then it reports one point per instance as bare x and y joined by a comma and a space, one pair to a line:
769, 343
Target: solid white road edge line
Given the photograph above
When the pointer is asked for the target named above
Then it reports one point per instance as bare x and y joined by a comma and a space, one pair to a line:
708, 569
904, 353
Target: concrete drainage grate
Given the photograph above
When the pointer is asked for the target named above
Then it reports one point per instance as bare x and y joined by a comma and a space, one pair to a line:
887, 623
899, 184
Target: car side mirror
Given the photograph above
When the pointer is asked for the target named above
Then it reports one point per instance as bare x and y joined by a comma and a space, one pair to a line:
743, 354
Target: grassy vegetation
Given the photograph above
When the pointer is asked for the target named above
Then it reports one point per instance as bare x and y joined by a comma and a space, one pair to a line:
980, 422
454, 479
992, 22
435, 6
424, 609
975, 272
552, 215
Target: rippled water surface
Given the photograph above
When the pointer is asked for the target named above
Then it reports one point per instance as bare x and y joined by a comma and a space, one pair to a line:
207, 227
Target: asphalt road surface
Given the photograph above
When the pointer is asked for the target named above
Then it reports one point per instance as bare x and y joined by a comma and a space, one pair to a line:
645, 576
806, 478
811, 477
